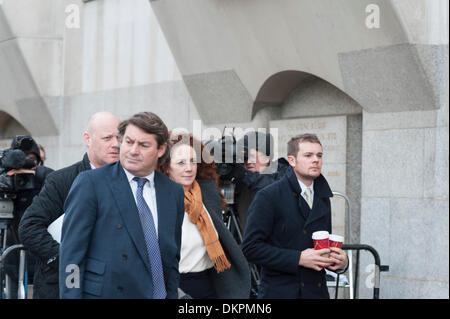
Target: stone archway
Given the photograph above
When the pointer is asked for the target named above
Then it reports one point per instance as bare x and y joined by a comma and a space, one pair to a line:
10, 127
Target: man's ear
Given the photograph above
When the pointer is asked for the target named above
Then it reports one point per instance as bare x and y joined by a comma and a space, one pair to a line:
162, 150
291, 160
87, 139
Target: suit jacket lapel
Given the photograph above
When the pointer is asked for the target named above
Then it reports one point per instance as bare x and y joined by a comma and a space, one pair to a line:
129, 211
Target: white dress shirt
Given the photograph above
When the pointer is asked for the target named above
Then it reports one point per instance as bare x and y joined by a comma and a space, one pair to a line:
303, 187
148, 193
193, 255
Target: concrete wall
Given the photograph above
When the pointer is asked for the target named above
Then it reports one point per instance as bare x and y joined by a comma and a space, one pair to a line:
117, 60
405, 208
395, 73
30, 64
405, 200
230, 49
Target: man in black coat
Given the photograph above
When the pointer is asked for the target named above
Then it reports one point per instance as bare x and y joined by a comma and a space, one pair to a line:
280, 224
102, 144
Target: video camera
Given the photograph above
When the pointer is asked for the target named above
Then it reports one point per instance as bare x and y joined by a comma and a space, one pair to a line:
10, 186
227, 153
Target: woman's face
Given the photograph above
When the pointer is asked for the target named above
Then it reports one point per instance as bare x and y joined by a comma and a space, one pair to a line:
183, 165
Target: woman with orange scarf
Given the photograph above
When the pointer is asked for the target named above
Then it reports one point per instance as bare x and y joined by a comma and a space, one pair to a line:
211, 263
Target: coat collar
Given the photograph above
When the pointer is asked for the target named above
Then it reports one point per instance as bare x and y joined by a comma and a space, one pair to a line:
321, 187
85, 162
321, 191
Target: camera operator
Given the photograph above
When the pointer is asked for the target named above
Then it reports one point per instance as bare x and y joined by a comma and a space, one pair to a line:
22, 199
102, 144
256, 172
245, 167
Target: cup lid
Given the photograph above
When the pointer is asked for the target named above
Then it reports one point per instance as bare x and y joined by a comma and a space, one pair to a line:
320, 234
338, 238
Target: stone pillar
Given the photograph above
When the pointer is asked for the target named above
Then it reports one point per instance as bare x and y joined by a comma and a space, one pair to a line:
404, 206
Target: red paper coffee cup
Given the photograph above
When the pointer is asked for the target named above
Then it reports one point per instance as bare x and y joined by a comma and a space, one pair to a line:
320, 239
336, 241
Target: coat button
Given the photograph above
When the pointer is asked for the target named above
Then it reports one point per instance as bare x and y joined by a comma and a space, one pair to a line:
319, 285
120, 288
305, 232
119, 226
302, 284
124, 256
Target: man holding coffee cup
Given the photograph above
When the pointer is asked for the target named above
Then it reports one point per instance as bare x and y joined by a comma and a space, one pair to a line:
281, 220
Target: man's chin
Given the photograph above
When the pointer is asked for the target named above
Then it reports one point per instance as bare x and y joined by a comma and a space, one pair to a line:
130, 166
113, 159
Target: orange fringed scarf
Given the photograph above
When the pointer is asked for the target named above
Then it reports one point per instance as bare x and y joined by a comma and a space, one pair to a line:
193, 204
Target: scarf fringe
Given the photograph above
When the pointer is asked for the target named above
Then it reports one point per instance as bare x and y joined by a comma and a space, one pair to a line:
221, 264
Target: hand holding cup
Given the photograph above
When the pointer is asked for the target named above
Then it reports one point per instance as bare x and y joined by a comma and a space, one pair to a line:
337, 254
336, 241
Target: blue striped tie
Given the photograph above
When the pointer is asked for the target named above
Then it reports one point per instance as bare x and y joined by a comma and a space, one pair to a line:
151, 239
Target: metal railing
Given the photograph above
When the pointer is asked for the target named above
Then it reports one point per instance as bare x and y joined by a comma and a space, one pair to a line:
348, 233
22, 286
378, 267
349, 247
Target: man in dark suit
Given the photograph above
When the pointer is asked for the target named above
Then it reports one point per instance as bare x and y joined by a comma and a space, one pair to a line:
121, 234
280, 224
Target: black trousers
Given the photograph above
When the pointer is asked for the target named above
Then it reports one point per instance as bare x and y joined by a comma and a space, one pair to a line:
198, 285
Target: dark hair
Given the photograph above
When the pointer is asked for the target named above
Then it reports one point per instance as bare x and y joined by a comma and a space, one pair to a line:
206, 169
150, 123
293, 144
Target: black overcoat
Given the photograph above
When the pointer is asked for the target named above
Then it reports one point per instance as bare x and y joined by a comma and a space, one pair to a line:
279, 227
